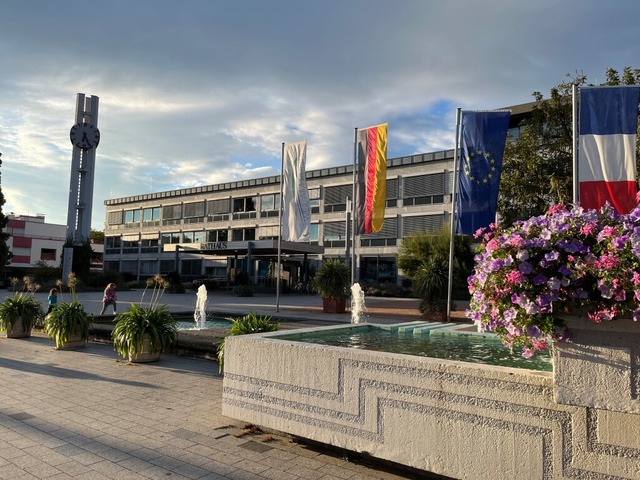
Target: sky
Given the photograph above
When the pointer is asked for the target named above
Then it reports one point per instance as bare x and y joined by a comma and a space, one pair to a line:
199, 92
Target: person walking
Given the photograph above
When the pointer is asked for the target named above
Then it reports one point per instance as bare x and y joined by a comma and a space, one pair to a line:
109, 298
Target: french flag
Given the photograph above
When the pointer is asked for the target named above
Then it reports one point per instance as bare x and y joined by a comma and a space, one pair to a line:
607, 147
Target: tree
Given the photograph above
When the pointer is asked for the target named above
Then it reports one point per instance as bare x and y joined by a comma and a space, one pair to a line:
537, 169
96, 236
5, 254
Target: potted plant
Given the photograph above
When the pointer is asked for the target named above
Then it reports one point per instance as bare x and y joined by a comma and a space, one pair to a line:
144, 332
332, 282
21, 311
68, 323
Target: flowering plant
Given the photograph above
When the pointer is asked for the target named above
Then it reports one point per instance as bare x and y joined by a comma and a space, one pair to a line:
569, 260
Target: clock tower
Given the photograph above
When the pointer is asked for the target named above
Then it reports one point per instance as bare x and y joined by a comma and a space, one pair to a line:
85, 137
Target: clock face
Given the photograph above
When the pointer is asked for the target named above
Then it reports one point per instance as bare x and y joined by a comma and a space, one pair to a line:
85, 135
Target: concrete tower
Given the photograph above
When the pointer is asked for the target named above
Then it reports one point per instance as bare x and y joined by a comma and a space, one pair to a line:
85, 137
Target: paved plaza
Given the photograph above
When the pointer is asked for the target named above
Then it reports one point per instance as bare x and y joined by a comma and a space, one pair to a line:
86, 414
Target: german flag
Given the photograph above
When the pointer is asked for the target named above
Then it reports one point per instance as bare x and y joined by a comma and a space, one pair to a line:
371, 180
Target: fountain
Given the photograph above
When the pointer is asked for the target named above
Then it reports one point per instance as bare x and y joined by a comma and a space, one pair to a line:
200, 313
416, 410
357, 303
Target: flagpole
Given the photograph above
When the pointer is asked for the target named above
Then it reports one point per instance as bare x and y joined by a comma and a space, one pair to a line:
353, 207
452, 218
280, 230
574, 101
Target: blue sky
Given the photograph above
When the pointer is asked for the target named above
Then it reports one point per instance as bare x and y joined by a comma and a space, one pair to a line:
195, 92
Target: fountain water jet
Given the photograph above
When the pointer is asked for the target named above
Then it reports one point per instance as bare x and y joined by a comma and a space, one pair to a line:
357, 303
200, 313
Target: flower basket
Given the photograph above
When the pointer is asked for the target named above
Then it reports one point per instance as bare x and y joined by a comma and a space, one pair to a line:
530, 276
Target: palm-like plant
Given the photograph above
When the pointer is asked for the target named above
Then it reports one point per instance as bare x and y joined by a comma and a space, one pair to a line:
152, 321
134, 324
68, 319
250, 323
333, 279
21, 305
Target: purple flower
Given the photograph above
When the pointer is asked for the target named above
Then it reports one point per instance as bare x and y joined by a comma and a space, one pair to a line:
539, 280
525, 268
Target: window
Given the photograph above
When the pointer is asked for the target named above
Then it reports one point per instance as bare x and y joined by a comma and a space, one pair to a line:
193, 237
168, 238
314, 200
244, 207
423, 189
378, 270
270, 205
148, 268
421, 224
217, 236
313, 232
149, 245
48, 254
215, 207
269, 232
130, 246
151, 216
391, 200
111, 266
167, 266
243, 234
335, 198
195, 209
112, 245
132, 216
334, 234
191, 269
171, 214
246, 204
115, 218
386, 237
129, 266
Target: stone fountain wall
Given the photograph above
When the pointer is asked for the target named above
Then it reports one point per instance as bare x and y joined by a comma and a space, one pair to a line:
457, 419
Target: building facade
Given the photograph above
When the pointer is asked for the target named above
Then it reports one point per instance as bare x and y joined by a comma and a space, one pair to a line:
144, 233
212, 230
32, 240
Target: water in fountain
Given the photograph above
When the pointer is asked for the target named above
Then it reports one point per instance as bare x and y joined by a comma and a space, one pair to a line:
200, 314
357, 303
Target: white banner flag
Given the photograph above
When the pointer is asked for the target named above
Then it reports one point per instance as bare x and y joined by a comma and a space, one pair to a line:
296, 212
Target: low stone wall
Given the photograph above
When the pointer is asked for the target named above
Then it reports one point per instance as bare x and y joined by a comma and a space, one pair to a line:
456, 419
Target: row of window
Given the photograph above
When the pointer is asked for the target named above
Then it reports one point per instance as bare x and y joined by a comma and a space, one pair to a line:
334, 235
416, 190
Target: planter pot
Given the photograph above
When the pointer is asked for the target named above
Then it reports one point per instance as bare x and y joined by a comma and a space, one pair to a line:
145, 354
17, 331
333, 305
600, 366
72, 343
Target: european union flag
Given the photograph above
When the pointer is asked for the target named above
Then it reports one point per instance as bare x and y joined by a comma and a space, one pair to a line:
483, 136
